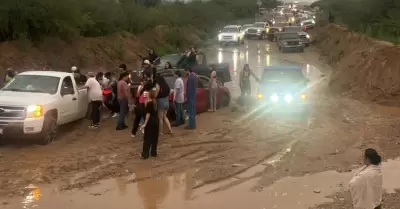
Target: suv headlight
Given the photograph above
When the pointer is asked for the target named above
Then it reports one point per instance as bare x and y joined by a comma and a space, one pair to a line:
308, 36
219, 37
34, 111
258, 30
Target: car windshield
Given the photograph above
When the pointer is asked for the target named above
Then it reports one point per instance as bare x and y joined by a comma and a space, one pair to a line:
230, 30
282, 75
259, 25
308, 23
33, 83
172, 58
293, 29
170, 81
289, 36
246, 26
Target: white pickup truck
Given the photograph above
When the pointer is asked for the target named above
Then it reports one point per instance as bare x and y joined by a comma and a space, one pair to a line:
35, 103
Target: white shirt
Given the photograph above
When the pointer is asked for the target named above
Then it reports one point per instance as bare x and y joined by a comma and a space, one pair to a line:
95, 92
179, 91
106, 82
366, 187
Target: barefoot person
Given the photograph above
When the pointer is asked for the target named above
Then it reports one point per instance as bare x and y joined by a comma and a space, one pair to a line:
213, 88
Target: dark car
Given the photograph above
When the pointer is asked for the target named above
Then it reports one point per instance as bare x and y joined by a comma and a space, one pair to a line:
202, 97
282, 89
289, 41
200, 68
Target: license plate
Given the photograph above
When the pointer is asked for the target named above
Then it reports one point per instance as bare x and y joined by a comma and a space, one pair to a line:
1, 131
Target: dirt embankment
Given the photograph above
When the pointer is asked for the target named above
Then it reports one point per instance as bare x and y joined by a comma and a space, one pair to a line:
98, 53
366, 68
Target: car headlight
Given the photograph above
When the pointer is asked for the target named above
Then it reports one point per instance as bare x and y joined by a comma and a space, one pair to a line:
219, 37
234, 36
313, 17
303, 97
260, 96
308, 36
34, 111
258, 30
288, 98
274, 98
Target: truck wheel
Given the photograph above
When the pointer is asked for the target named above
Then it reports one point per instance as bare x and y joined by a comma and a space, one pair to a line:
49, 131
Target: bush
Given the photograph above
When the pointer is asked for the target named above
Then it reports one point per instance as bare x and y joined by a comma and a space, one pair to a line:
36, 19
379, 19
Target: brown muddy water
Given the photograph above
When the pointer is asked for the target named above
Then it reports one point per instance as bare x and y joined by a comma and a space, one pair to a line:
179, 191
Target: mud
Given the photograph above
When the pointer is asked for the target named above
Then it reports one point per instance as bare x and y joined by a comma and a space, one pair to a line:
365, 68
230, 152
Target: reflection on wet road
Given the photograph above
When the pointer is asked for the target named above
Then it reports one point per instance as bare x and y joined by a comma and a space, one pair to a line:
257, 54
176, 192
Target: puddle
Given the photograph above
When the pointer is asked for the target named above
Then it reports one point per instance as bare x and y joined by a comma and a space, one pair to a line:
175, 192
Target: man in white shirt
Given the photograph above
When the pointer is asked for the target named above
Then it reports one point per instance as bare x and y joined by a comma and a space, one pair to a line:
95, 94
179, 99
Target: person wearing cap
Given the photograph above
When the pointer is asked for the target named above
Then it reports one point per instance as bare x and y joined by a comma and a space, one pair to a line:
191, 87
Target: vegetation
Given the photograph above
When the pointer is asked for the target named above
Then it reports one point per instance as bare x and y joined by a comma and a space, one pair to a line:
34, 20
379, 19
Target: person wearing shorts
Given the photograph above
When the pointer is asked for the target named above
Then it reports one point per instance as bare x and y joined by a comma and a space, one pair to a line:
162, 92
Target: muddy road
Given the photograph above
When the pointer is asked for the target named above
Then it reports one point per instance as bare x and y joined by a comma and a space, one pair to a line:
232, 155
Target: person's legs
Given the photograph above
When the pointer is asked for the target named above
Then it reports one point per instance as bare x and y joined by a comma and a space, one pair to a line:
192, 115
146, 143
214, 99
123, 107
136, 123
178, 114
166, 120
161, 120
95, 113
154, 141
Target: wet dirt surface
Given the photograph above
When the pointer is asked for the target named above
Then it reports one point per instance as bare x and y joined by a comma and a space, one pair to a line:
233, 155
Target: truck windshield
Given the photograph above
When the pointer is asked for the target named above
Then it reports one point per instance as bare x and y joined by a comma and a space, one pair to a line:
259, 25
33, 83
293, 29
289, 36
282, 75
230, 30
172, 58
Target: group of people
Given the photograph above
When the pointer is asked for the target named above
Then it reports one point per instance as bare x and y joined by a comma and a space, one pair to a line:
150, 103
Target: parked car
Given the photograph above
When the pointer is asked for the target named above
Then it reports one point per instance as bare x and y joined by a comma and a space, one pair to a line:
200, 68
231, 34
245, 27
289, 41
35, 103
202, 95
304, 36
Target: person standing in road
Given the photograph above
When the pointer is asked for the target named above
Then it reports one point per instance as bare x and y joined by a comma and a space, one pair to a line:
366, 187
244, 81
95, 94
179, 99
191, 98
162, 94
213, 88
151, 127
124, 99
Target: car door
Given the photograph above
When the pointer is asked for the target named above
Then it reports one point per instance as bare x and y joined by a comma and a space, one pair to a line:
201, 97
68, 103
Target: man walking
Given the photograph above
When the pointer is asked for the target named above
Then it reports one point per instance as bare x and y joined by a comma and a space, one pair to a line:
179, 99
191, 97
95, 97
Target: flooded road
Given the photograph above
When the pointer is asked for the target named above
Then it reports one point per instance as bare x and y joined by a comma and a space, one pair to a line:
231, 160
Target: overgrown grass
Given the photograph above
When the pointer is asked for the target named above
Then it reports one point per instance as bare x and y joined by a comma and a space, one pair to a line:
378, 19
37, 19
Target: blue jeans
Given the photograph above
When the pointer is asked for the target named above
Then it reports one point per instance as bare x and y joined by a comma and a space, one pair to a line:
179, 114
191, 108
123, 111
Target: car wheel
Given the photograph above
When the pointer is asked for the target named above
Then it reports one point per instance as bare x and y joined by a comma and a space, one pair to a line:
224, 101
49, 131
